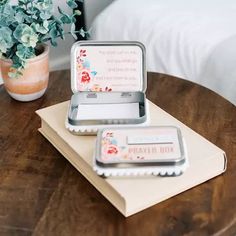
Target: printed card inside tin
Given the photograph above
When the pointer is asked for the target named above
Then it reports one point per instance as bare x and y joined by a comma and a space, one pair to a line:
108, 80
108, 67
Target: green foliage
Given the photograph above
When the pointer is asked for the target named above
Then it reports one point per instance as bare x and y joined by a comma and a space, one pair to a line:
29, 23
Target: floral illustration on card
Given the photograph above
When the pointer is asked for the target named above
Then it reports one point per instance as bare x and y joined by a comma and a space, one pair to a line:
111, 150
83, 69
109, 145
87, 75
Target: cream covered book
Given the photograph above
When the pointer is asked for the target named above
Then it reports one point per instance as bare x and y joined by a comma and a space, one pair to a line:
131, 195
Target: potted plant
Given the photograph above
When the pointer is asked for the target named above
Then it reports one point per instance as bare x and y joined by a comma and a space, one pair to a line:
24, 30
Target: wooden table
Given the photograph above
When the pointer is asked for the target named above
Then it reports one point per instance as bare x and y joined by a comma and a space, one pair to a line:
42, 194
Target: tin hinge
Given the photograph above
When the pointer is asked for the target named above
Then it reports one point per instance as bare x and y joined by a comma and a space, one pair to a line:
126, 94
91, 95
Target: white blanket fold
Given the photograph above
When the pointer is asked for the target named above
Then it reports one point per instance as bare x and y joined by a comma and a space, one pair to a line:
194, 40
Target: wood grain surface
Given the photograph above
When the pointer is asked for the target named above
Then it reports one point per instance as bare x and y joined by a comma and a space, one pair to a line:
42, 194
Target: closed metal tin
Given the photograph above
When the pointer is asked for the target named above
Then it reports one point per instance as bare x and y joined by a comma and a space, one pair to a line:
146, 150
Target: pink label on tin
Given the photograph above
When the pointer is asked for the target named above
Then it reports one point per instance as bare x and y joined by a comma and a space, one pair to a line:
109, 68
137, 145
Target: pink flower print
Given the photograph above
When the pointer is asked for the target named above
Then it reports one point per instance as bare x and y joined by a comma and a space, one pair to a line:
108, 89
109, 134
82, 53
112, 150
85, 77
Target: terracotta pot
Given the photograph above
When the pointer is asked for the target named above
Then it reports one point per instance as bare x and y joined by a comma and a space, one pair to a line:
34, 81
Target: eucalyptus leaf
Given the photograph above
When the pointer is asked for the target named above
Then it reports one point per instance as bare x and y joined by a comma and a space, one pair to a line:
61, 31
82, 32
24, 52
53, 32
19, 17
73, 31
45, 15
6, 41
53, 42
72, 4
40, 28
66, 19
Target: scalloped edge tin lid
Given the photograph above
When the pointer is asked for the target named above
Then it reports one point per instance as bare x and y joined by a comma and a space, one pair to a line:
99, 66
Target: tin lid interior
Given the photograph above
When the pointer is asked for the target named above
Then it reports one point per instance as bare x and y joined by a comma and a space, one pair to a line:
108, 66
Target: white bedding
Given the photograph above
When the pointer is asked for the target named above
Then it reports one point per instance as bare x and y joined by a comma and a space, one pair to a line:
194, 40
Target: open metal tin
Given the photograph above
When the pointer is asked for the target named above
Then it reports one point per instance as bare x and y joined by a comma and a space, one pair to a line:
156, 150
108, 81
